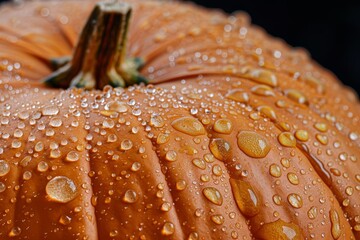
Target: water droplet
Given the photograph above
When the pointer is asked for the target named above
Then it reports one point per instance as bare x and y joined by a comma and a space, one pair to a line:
275, 170
218, 219
116, 106
15, 231
322, 139
279, 230
4, 168
135, 166
130, 196
302, 135
295, 200
217, 171
296, 96
165, 207
55, 153
287, 139
50, 111
223, 126
65, 220
162, 138
293, 178
193, 236
277, 199
200, 163
72, 156
114, 233
213, 195
267, 112
220, 148
27, 175
335, 224
171, 156
322, 127
349, 191
42, 166
245, 197
168, 229
189, 125
2, 187
39, 146
61, 189
312, 213
157, 121
112, 138
262, 76
263, 90
55, 122
253, 144
238, 95
126, 145
181, 185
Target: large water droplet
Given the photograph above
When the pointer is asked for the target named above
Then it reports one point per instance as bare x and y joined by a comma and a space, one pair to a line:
335, 224
168, 229
61, 189
50, 111
245, 197
223, 126
213, 195
130, 196
189, 125
253, 144
220, 148
4, 168
295, 200
279, 230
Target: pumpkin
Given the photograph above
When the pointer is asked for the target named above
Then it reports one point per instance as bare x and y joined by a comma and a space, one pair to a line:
177, 122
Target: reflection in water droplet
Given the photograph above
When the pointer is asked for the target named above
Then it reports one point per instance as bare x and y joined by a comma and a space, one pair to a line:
253, 144
168, 229
220, 148
130, 196
61, 189
223, 126
287, 139
295, 200
189, 125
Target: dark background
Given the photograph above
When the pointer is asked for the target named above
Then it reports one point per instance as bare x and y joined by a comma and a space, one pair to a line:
329, 30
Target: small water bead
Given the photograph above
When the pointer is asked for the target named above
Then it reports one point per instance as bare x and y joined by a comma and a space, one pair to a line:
218, 219
296, 96
245, 197
126, 145
220, 148
275, 170
209, 158
295, 200
302, 135
200, 163
18, 133
285, 162
72, 156
181, 185
168, 229
130, 196
114, 233
61, 189
238, 95
65, 220
277, 199
27, 175
322, 139
135, 166
162, 138
157, 121
165, 207
189, 125
15, 231
260, 75
39, 146
16, 144
171, 156
322, 127
193, 236
42, 166
287, 139
353, 136
349, 191
223, 126
253, 144
293, 178
335, 224
56, 153
263, 90
116, 106
4, 168
217, 171
213, 195
50, 111
112, 138
312, 213
55, 122
108, 123
267, 112
2, 187
279, 230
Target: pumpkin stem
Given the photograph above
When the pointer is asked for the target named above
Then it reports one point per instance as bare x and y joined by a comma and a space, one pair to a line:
99, 57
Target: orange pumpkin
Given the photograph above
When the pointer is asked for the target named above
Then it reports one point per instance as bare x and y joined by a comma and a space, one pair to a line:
236, 135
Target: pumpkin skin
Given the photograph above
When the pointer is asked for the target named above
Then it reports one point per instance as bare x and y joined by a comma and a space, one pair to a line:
211, 149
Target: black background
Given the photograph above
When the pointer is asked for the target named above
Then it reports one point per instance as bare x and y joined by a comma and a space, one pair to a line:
329, 30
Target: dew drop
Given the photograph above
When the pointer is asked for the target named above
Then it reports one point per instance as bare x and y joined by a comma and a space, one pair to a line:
189, 125
296, 96
135, 166
335, 224
168, 229
287, 139
223, 126
293, 178
275, 170
72, 156
220, 148
261, 76
4, 168
61, 189
50, 111
302, 135
15, 231
130, 196
253, 144
279, 230
200, 163
126, 145
181, 185
157, 121
65, 220
245, 197
238, 95
218, 219
295, 200
213, 195
312, 213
